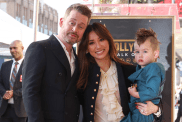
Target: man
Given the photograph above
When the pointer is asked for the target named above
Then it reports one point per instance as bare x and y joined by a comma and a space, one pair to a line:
12, 107
50, 71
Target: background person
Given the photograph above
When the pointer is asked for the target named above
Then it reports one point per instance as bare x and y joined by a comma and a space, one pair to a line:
12, 107
179, 102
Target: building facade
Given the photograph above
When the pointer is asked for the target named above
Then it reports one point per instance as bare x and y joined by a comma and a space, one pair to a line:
4, 53
22, 11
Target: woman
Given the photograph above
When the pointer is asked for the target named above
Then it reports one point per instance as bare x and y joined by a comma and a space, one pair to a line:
103, 78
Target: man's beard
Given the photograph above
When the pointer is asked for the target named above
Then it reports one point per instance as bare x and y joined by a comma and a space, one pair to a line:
13, 55
16, 56
69, 41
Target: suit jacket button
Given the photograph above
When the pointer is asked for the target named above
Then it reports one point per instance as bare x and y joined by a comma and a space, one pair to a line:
92, 106
91, 113
95, 90
60, 74
92, 97
97, 75
96, 82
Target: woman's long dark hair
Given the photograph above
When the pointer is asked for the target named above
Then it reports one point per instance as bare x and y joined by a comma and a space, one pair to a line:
85, 58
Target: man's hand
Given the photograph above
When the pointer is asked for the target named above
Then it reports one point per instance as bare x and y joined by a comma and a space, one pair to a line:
147, 109
8, 95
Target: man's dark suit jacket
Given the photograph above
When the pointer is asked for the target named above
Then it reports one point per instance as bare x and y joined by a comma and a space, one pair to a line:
49, 91
17, 89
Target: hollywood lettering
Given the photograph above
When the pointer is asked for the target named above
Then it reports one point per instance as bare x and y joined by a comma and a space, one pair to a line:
125, 49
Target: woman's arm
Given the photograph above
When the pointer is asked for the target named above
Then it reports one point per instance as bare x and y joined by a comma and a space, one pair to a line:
147, 109
150, 108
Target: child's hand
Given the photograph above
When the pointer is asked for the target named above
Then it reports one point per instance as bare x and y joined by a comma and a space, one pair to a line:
133, 91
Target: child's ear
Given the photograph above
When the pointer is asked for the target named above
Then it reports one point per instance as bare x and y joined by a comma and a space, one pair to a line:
156, 54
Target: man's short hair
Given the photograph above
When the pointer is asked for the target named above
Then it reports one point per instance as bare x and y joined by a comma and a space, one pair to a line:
83, 9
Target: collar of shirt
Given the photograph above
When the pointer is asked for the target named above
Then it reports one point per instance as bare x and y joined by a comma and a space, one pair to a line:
64, 47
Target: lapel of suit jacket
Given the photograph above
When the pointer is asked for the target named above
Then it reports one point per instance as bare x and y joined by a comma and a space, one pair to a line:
133, 77
58, 51
8, 73
76, 62
75, 72
122, 85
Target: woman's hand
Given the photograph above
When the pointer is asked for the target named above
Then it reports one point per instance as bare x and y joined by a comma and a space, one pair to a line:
147, 109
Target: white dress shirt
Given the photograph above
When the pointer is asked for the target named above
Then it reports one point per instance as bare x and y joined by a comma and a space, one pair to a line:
108, 104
